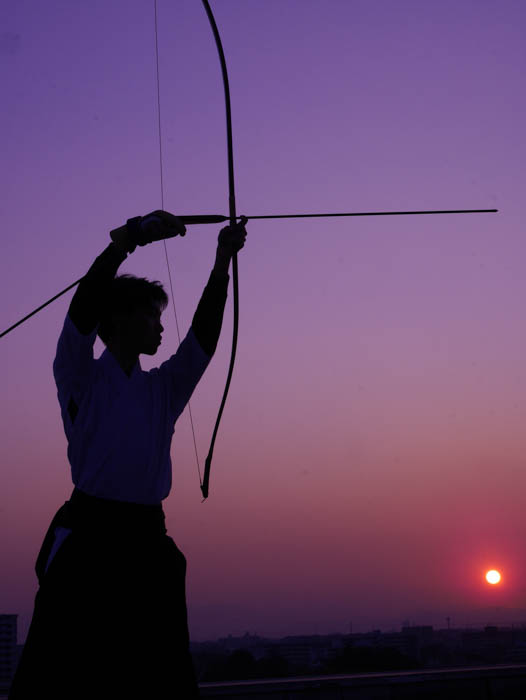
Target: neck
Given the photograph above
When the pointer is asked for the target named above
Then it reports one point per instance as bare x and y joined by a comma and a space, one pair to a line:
126, 358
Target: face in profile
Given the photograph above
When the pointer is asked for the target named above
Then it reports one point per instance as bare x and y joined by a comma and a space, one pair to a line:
141, 330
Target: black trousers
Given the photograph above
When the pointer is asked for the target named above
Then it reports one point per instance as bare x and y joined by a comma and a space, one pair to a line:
110, 615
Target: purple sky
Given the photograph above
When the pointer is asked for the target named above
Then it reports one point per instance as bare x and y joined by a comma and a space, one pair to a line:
371, 461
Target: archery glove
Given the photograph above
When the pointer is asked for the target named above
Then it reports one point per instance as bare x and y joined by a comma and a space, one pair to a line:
141, 230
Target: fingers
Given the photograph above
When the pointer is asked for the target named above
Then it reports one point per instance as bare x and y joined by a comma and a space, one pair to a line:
232, 238
242, 232
168, 218
171, 225
172, 222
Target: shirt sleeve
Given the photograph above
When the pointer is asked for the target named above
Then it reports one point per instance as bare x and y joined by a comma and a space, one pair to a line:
72, 368
180, 374
74, 362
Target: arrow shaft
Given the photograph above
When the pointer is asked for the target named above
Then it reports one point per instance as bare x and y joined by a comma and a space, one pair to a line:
374, 213
219, 218
42, 306
193, 219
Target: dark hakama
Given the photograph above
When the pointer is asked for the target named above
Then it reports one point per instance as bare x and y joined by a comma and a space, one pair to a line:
110, 615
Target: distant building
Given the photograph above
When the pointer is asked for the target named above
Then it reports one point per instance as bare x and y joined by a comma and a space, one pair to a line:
248, 642
295, 652
304, 651
413, 647
8, 649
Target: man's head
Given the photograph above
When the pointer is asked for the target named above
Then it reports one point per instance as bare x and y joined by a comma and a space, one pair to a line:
131, 316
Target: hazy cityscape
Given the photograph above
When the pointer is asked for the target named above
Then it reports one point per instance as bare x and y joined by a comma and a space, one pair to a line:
410, 648
250, 657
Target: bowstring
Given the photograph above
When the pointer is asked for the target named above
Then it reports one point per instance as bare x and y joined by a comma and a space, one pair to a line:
162, 207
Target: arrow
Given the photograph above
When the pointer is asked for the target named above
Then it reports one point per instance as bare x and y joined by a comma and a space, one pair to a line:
219, 218
194, 219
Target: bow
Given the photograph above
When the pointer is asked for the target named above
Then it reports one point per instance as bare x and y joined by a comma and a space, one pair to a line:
232, 217
216, 218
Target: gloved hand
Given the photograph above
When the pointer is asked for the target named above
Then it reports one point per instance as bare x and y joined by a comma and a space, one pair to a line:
141, 230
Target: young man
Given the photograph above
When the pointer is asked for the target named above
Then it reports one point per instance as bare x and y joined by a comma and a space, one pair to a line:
110, 613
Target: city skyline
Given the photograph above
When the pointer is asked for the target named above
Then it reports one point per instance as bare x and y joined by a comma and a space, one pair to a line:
480, 620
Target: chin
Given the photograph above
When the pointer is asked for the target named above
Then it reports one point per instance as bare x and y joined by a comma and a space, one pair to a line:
152, 348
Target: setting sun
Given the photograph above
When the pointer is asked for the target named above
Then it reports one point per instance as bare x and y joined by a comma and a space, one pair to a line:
493, 577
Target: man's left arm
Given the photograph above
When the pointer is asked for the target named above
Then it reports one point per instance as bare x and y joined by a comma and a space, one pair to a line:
182, 372
208, 317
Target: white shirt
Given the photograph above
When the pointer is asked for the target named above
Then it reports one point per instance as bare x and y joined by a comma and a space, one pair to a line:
119, 442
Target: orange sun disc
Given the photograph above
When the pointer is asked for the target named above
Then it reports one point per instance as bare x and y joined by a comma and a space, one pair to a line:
493, 577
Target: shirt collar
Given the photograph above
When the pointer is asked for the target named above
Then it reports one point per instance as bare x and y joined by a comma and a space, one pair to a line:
109, 361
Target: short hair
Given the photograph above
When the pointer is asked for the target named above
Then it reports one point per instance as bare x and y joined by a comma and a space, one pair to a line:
127, 293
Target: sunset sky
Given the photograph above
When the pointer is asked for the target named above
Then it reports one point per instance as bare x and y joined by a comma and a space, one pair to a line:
371, 463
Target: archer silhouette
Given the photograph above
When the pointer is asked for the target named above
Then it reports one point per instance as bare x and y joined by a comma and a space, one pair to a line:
110, 615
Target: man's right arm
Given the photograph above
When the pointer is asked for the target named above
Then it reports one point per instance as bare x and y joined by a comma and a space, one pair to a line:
86, 305
88, 300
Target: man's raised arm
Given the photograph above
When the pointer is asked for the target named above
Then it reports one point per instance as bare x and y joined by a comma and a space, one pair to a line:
208, 317
88, 300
